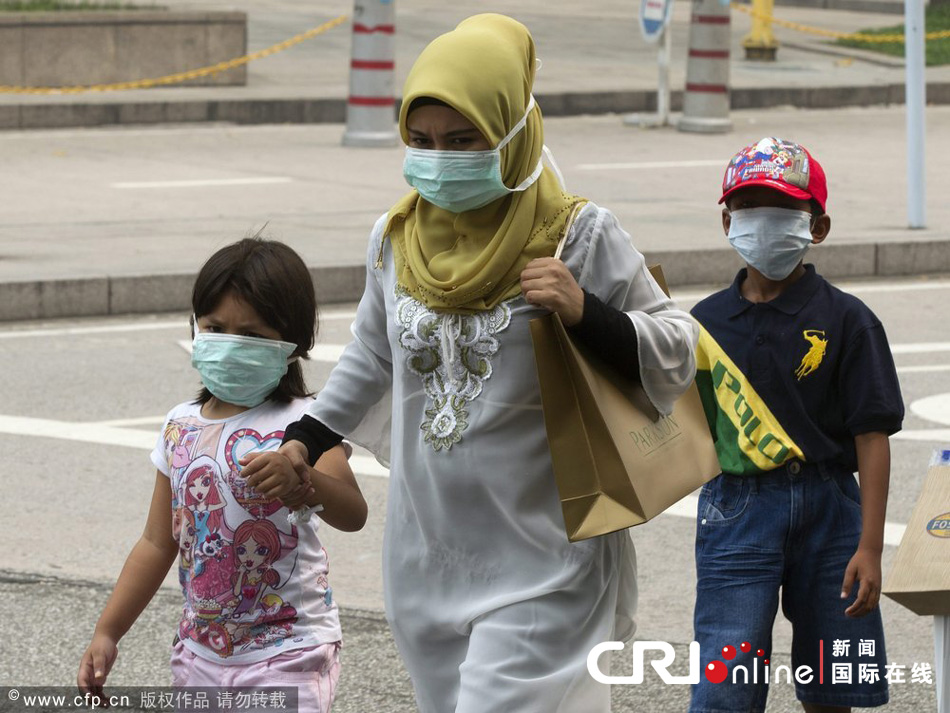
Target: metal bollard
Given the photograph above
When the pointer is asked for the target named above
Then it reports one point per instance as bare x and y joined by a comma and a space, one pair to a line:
370, 109
760, 44
706, 99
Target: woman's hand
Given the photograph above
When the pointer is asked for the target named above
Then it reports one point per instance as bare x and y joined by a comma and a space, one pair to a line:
546, 282
275, 474
95, 665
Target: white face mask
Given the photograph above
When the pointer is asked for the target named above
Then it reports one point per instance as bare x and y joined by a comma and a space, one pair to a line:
772, 240
463, 180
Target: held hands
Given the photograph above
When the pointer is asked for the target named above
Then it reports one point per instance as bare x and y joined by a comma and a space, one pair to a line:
95, 665
546, 282
864, 567
282, 474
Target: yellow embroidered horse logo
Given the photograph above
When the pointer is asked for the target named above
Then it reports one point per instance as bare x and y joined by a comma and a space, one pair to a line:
812, 360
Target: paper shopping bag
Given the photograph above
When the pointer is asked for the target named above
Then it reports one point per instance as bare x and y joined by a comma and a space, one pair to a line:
920, 576
617, 463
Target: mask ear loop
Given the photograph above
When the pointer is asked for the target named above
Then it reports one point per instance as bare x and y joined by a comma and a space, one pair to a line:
529, 181
517, 127
554, 167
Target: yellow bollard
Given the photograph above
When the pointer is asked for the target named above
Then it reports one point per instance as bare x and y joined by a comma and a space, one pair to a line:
760, 44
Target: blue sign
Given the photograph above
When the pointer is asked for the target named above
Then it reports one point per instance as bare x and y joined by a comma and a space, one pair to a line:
654, 16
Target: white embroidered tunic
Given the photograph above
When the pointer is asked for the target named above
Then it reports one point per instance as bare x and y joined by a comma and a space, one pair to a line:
474, 522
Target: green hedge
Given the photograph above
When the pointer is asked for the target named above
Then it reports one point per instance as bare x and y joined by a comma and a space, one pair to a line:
937, 18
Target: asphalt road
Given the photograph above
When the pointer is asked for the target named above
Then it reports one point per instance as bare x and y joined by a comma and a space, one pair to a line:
83, 401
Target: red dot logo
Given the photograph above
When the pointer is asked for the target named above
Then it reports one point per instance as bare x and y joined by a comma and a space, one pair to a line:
760, 653
745, 647
728, 652
716, 672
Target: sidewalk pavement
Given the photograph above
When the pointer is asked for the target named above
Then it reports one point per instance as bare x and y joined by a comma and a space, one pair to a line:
594, 62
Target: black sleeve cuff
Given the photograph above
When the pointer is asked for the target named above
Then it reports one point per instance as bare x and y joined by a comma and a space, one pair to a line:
314, 435
609, 333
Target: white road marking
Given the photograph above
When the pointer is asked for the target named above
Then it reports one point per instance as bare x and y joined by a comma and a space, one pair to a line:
329, 353
106, 435
367, 465
923, 368
934, 408
82, 432
123, 422
894, 286
205, 182
920, 348
102, 433
329, 315
100, 329
648, 164
893, 531
349, 314
932, 435
851, 287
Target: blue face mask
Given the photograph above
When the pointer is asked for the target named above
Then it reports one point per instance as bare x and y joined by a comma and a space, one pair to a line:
463, 180
772, 240
240, 370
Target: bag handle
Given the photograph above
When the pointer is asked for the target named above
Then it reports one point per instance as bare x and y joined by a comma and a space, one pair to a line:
567, 228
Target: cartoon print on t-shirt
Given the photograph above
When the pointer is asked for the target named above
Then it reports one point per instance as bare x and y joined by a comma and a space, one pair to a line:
201, 497
239, 444
234, 560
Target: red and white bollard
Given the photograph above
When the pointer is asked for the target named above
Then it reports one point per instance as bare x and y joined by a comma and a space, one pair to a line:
370, 109
706, 99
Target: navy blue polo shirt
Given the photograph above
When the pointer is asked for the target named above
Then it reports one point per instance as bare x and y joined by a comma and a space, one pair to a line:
796, 377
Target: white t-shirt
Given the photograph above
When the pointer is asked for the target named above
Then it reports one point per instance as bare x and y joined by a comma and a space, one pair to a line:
255, 586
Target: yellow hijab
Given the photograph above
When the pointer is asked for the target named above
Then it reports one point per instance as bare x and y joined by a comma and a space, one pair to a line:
461, 262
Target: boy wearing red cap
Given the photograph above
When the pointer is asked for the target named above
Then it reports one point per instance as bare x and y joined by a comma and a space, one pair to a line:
800, 391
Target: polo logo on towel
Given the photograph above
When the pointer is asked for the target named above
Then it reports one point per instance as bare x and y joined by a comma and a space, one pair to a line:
812, 359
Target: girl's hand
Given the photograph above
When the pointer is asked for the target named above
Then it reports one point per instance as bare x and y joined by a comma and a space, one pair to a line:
96, 663
546, 282
273, 475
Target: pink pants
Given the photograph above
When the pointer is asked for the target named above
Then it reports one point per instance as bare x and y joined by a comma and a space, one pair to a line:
313, 671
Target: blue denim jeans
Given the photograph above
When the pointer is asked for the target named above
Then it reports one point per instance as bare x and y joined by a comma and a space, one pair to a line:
793, 529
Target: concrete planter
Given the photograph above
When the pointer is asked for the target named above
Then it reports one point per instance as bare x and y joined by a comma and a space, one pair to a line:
59, 49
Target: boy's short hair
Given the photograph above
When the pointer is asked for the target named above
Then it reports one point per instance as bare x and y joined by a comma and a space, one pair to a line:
776, 163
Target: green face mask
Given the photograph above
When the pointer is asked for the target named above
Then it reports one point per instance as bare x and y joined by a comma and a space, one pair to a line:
240, 370
458, 181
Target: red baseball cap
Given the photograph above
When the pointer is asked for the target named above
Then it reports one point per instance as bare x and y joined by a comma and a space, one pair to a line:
779, 164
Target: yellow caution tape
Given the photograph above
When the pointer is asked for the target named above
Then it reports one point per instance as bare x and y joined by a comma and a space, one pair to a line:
943, 34
181, 76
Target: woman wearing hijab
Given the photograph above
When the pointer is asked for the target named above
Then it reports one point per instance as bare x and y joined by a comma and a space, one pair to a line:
491, 607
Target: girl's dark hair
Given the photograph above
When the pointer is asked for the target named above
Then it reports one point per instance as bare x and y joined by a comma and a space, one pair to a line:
273, 279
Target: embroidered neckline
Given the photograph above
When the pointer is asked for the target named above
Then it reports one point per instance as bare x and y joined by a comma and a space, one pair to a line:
452, 355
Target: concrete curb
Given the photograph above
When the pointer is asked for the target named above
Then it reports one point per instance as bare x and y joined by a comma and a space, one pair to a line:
137, 294
70, 113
